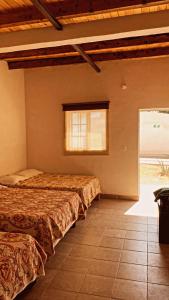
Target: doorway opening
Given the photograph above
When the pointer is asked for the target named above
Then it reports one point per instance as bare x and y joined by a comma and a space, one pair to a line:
153, 155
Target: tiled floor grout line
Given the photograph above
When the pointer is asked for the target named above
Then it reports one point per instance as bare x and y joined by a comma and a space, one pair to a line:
80, 293
112, 247
110, 261
112, 278
117, 269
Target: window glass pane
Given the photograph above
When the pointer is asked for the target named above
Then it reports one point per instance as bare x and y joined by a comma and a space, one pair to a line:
83, 130
75, 130
86, 130
83, 143
83, 118
97, 136
74, 142
75, 118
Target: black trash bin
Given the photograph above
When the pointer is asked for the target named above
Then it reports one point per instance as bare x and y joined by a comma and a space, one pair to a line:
162, 198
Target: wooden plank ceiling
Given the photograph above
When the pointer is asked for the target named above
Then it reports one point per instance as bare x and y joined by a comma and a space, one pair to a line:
21, 15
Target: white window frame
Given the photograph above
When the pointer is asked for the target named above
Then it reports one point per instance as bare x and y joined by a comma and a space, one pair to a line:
87, 152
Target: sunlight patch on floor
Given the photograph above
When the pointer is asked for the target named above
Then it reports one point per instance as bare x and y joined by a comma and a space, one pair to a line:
146, 205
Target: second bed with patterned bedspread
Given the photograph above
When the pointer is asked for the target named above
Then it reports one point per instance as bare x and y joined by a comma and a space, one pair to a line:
45, 215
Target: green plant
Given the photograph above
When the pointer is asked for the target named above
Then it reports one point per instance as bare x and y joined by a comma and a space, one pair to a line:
164, 168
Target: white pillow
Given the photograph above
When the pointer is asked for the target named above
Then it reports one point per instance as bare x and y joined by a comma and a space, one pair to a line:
3, 187
29, 173
11, 179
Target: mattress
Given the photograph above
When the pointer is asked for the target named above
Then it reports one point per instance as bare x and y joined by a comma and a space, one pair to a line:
87, 187
21, 261
45, 215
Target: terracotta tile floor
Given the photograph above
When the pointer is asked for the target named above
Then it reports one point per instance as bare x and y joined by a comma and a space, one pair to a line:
110, 255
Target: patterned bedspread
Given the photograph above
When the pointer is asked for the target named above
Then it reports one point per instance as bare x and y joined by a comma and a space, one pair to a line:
21, 262
88, 187
44, 214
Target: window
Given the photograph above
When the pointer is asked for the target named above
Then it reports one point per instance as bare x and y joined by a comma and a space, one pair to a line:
86, 129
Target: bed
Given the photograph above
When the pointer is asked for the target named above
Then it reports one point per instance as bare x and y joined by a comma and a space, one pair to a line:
88, 187
45, 215
21, 262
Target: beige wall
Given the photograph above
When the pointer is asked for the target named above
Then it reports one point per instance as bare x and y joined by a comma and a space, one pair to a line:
47, 88
154, 126
12, 120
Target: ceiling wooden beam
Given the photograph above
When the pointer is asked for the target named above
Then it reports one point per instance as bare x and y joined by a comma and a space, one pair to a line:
110, 44
127, 42
86, 57
47, 14
41, 7
124, 42
29, 14
135, 54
